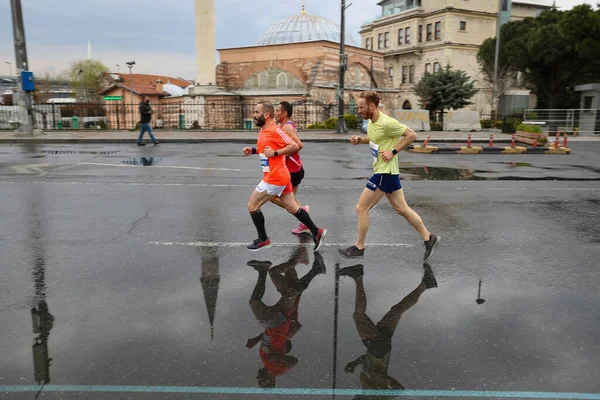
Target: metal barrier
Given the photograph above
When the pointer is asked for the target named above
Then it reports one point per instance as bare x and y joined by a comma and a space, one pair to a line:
169, 115
577, 122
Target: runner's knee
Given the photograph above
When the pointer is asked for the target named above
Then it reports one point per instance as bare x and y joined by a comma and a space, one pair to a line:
361, 209
402, 210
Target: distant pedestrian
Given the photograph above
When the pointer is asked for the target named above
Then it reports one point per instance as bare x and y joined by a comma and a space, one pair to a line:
145, 118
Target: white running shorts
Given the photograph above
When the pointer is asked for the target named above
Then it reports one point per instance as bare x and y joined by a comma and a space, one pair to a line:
272, 190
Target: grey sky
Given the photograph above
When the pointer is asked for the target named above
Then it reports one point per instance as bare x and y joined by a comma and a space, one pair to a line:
158, 35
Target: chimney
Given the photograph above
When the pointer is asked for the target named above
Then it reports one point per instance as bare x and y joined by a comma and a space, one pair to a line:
159, 85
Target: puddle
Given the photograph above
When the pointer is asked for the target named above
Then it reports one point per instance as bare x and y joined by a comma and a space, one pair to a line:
143, 161
456, 174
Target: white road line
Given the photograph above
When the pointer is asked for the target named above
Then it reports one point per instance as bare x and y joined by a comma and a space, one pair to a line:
254, 185
159, 166
236, 244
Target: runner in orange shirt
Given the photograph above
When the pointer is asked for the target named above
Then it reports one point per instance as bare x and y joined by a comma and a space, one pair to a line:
272, 147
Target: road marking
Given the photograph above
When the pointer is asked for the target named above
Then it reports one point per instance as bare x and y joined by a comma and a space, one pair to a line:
304, 186
159, 166
239, 244
295, 391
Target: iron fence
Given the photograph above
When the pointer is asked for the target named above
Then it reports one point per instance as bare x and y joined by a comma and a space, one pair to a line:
168, 115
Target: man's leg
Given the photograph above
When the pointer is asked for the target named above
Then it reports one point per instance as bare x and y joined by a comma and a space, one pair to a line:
291, 205
367, 201
151, 134
398, 201
257, 200
142, 130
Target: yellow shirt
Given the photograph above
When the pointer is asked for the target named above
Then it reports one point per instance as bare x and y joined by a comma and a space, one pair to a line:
384, 134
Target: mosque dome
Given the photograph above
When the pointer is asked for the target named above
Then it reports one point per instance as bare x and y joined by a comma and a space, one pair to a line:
303, 28
173, 90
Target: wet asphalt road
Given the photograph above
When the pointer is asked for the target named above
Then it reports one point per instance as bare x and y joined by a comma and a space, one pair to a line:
140, 263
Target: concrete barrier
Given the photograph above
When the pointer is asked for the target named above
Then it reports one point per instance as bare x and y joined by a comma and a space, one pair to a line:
417, 120
462, 121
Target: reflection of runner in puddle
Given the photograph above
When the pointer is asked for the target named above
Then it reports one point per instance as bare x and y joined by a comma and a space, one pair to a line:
377, 338
279, 321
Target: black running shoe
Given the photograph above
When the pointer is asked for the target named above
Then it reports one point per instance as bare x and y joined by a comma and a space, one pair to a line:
353, 272
141, 144
157, 142
259, 244
352, 252
430, 246
428, 277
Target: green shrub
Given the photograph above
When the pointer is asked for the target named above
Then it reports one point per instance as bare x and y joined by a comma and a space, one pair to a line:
102, 124
497, 124
351, 121
318, 125
331, 123
529, 128
510, 125
436, 126
195, 125
487, 123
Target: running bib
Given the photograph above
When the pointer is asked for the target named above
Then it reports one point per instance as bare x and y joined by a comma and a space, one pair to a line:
374, 151
264, 163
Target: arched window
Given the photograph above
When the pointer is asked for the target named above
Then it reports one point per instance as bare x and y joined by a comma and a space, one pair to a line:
406, 105
298, 84
282, 81
357, 80
250, 83
263, 80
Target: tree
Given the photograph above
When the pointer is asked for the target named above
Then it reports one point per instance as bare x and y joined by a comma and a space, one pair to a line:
445, 89
507, 73
555, 52
86, 78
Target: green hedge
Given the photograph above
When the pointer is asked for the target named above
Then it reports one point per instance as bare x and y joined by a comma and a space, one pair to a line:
529, 128
331, 123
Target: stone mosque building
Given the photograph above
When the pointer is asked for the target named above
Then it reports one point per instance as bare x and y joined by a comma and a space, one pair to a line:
296, 60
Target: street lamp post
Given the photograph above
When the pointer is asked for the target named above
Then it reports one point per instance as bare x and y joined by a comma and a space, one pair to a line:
495, 84
130, 65
341, 126
118, 69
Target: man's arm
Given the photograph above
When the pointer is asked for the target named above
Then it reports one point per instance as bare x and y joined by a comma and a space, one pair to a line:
406, 137
359, 139
287, 150
291, 133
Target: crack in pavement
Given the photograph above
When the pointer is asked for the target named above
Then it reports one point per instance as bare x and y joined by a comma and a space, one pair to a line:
137, 221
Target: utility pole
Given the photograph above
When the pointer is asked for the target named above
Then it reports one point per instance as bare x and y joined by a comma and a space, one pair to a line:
495, 83
130, 65
341, 126
20, 97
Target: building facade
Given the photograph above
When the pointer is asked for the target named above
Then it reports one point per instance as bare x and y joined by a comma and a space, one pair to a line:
418, 36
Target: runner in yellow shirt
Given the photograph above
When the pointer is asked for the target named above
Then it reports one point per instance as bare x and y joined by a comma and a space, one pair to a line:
386, 137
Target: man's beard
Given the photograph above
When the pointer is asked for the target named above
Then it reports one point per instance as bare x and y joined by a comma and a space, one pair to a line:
260, 121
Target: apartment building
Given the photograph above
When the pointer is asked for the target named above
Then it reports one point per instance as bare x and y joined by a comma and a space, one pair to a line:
417, 36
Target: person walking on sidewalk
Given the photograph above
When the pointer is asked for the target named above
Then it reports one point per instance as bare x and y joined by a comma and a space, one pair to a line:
272, 146
386, 137
145, 119
283, 113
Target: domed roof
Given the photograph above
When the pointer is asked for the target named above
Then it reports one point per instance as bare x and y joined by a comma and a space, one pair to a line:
173, 90
303, 28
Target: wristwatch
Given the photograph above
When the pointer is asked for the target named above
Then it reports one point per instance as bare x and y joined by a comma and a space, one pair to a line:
275, 153
394, 151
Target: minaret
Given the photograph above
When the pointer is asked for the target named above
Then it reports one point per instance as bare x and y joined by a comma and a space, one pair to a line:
89, 50
206, 63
